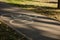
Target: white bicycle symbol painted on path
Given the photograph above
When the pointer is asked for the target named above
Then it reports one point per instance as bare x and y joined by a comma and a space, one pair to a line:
17, 18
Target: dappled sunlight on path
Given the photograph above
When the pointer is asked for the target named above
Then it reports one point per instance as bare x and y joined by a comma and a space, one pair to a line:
33, 25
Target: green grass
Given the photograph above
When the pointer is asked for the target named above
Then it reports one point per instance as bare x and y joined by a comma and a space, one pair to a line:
30, 2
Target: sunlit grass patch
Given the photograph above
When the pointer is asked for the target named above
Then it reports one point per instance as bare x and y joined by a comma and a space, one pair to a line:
31, 2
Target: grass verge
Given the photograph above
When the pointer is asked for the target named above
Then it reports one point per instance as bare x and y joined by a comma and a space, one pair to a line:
7, 33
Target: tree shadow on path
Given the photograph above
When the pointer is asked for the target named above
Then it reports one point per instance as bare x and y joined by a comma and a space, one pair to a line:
34, 33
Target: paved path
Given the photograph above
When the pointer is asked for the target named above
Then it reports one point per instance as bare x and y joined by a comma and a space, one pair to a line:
35, 26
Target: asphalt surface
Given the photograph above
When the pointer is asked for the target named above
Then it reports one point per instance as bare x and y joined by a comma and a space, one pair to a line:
33, 25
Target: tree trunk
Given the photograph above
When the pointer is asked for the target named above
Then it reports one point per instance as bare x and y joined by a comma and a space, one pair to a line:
59, 4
